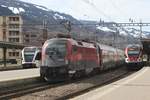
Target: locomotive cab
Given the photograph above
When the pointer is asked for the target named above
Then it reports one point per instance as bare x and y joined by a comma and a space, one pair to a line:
133, 56
54, 53
54, 63
31, 57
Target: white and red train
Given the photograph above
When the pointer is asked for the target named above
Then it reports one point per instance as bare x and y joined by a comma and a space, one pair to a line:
66, 57
133, 54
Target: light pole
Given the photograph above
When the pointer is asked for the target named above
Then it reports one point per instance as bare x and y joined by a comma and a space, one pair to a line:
67, 25
140, 29
45, 34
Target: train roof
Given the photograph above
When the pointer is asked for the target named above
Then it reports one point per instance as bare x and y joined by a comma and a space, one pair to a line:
75, 42
33, 47
134, 45
106, 47
86, 44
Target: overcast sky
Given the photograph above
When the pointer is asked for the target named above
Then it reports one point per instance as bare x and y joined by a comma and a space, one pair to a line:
109, 10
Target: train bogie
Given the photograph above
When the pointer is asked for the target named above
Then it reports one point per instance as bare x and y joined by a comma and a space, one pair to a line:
134, 66
54, 73
28, 65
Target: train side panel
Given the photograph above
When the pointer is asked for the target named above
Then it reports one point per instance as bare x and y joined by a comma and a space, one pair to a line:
84, 58
111, 57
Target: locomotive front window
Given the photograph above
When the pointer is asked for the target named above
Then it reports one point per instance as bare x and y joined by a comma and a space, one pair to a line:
133, 52
28, 57
56, 49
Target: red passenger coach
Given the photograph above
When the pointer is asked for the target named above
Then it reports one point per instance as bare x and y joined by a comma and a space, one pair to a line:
133, 55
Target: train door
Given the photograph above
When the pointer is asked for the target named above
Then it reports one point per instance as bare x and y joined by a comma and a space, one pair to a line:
100, 56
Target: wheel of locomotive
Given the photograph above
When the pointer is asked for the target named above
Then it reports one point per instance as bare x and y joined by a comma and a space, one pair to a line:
82, 73
79, 73
95, 71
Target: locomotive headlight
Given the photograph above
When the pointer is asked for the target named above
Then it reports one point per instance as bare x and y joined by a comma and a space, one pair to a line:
126, 59
140, 59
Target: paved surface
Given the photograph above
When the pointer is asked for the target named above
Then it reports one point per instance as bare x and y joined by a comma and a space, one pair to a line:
134, 87
19, 74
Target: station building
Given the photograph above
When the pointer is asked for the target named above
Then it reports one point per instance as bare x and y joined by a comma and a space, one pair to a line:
11, 31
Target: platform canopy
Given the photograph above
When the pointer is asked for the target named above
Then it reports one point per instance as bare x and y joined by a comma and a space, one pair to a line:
146, 46
10, 45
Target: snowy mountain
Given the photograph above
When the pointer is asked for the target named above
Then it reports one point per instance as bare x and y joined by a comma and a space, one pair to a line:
132, 32
34, 15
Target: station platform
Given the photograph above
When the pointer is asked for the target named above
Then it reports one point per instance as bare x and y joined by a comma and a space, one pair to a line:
19, 74
133, 87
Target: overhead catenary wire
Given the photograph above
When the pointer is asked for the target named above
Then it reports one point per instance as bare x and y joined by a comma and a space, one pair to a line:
117, 8
97, 9
80, 23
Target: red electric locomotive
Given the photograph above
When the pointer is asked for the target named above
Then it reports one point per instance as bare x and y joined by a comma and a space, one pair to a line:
66, 57
133, 54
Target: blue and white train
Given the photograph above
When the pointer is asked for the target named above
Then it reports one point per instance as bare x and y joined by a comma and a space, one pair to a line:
31, 57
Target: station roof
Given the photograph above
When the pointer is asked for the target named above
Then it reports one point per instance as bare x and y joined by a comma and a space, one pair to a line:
10, 45
146, 46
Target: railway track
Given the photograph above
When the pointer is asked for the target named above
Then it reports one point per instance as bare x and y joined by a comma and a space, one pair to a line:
64, 90
17, 91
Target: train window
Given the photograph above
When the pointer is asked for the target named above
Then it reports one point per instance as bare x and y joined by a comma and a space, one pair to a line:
56, 48
38, 56
98, 49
